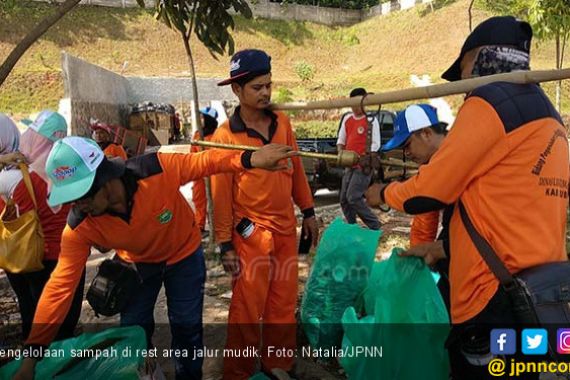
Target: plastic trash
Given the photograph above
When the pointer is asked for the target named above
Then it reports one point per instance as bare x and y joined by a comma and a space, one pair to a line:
339, 275
409, 324
75, 358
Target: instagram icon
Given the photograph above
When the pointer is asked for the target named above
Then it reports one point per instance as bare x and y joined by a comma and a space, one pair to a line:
563, 341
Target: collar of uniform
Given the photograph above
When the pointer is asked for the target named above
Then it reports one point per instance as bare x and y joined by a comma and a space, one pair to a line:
237, 125
129, 180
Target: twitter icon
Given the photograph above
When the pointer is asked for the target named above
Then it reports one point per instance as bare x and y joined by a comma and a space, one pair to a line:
534, 341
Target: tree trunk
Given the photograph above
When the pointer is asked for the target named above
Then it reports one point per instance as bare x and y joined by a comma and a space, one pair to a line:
33, 36
197, 122
558, 66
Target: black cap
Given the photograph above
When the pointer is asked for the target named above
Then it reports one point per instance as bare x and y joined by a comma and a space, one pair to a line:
246, 62
359, 91
503, 30
108, 169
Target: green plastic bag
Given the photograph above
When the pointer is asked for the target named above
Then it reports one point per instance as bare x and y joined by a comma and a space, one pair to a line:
409, 323
119, 344
339, 275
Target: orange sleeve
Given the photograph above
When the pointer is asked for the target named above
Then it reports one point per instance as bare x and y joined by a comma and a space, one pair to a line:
193, 166
120, 152
302, 194
469, 151
114, 150
424, 228
222, 197
56, 298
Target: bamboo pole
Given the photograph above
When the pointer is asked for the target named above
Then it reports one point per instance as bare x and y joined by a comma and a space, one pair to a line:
345, 158
433, 91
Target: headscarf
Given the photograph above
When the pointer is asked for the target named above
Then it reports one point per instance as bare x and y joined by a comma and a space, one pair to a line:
36, 148
9, 135
36, 144
37, 141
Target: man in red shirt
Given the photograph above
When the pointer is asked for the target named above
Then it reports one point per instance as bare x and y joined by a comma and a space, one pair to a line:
352, 136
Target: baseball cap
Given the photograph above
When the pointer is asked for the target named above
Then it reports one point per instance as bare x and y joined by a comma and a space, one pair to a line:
500, 30
71, 166
49, 124
209, 111
245, 62
413, 118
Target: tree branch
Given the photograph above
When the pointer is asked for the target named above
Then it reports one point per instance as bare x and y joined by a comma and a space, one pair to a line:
33, 36
470, 15
192, 17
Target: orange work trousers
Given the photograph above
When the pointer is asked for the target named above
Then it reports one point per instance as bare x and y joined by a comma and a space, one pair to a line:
261, 322
199, 200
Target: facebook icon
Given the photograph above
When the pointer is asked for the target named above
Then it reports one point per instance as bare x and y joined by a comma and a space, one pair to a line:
503, 341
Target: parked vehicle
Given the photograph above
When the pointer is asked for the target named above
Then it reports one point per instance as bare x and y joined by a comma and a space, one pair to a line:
323, 174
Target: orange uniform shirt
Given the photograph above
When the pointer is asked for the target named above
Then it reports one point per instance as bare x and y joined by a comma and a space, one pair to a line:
266, 198
506, 158
159, 228
114, 150
424, 228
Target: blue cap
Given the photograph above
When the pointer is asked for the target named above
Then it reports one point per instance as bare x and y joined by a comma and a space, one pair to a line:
210, 111
413, 118
246, 62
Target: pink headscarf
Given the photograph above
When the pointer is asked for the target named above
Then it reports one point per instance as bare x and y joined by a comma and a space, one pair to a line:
9, 135
36, 148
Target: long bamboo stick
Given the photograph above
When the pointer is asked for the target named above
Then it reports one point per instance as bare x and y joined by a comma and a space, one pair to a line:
433, 91
345, 158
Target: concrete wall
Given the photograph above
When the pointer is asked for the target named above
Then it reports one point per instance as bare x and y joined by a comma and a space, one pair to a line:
94, 92
321, 15
298, 12
174, 90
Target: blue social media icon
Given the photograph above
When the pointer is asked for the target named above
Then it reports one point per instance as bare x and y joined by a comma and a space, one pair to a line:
534, 342
503, 341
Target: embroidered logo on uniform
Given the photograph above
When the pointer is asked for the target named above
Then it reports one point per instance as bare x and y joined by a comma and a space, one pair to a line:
234, 65
62, 172
360, 130
164, 217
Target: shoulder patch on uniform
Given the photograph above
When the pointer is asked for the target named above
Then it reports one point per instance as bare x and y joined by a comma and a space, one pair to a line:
517, 104
145, 165
75, 217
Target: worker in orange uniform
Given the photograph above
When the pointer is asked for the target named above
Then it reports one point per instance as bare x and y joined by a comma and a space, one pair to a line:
136, 208
418, 131
255, 225
102, 136
505, 164
209, 125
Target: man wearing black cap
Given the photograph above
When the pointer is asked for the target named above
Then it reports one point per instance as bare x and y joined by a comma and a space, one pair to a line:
505, 162
255, 225
352, 135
